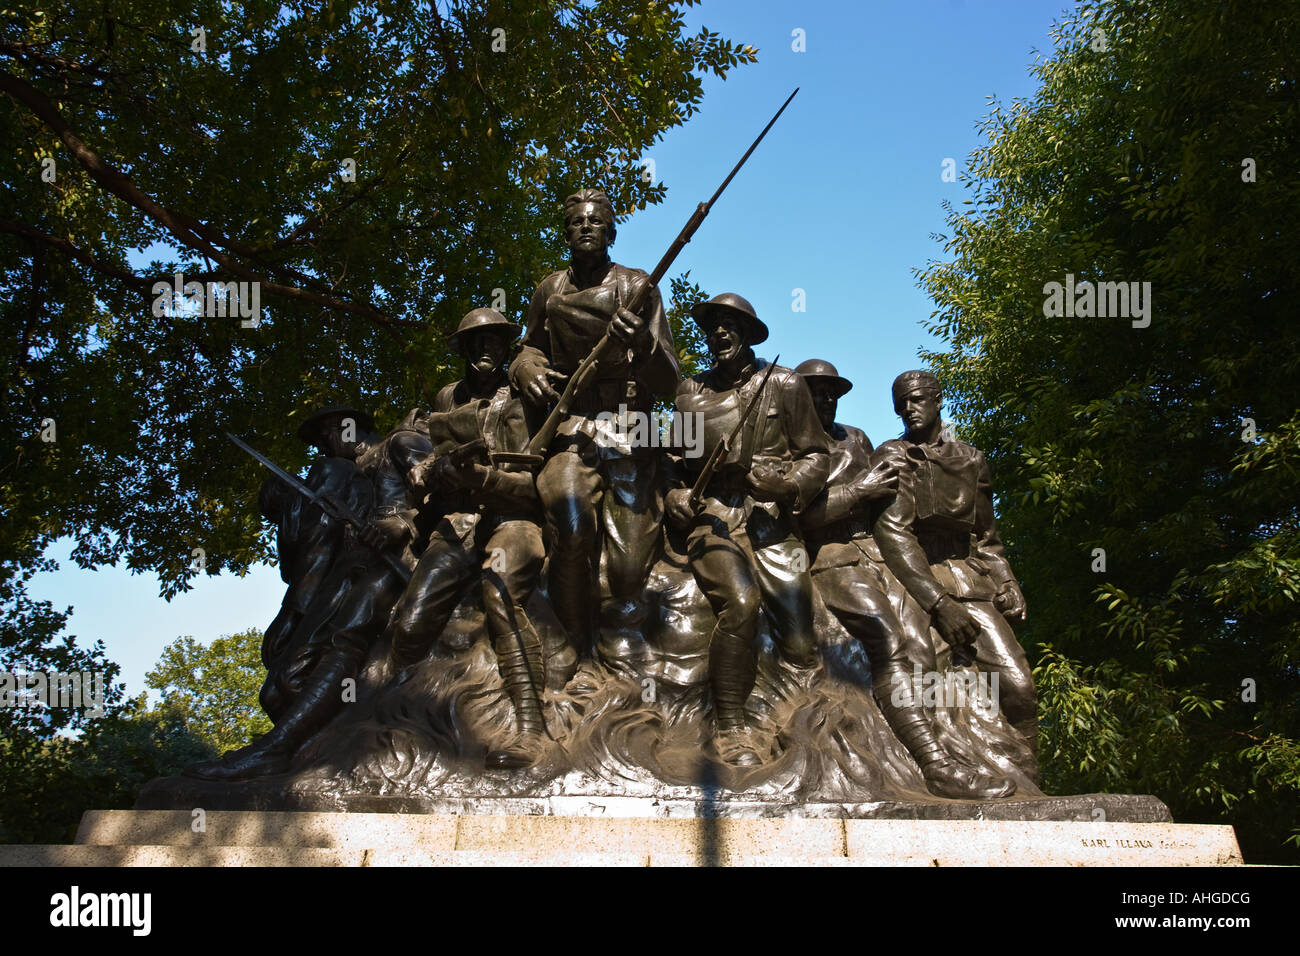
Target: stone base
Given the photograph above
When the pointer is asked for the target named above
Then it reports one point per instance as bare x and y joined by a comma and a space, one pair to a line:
620, 834
184, 793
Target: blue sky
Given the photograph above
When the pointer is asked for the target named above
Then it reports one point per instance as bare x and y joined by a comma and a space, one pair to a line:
841, 201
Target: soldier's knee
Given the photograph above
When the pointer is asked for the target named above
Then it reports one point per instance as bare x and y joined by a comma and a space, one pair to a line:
740, 610
1018, 698
572, 522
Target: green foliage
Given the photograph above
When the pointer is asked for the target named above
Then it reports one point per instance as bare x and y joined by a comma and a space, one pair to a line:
468, 122
212, 690
47, 784
1127, 165
208, 705
31, 639
692, 352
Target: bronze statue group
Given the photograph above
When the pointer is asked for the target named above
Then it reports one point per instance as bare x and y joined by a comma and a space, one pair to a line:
487, 496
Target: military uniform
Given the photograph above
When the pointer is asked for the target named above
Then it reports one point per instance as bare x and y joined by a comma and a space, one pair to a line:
488, 536
748, 554
308, 541
939, 538
591, 491
348, 611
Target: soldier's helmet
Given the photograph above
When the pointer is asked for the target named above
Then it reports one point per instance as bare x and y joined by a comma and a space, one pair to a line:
321, 421
814, 369
482, 319
737, 307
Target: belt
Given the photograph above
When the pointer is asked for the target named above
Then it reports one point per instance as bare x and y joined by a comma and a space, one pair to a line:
942, 545
608, 394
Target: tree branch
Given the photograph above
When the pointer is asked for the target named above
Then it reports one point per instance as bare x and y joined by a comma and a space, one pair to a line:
187, 230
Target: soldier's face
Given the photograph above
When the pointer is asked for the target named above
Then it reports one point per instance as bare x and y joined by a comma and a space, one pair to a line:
724, 337
332, 443
586, 228
919, 409
825, 400
486, 350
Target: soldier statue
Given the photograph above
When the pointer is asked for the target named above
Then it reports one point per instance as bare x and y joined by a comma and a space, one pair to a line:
603, 504
939, 538
855, 586
488, 533
308, 539
743, 540
349, 609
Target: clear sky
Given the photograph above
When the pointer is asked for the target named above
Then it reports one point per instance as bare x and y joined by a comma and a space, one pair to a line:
841, 201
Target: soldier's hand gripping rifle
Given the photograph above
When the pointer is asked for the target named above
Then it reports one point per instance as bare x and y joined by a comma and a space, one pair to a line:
327, 504
586, 371
463, 457
724, 444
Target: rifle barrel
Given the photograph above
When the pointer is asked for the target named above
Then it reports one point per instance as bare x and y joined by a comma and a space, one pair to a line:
586, 368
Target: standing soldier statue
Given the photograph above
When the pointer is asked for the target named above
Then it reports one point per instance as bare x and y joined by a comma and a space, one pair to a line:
349, 609
308, 538
849, 574
769, 462
488, 533
939, 538
603, 505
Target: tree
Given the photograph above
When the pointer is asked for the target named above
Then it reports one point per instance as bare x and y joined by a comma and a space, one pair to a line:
212, 690
208, 705
372, 168
47, 784
692, 351
1147, 473
368, 169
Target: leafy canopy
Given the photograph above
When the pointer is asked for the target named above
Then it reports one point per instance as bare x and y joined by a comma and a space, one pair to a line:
378, 168
1155, 529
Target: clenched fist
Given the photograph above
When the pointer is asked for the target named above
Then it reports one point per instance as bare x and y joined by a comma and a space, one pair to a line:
767, 484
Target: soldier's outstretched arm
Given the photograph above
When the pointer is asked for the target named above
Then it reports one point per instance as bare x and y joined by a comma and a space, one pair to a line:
807, 438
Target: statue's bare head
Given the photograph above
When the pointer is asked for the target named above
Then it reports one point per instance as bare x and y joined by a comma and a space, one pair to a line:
589, 228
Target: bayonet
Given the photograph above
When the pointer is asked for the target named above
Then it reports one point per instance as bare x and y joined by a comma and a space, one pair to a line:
326, 503
585, 373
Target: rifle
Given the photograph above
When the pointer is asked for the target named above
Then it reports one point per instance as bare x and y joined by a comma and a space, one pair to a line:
724, 444
476, 452
585, 373
327, 504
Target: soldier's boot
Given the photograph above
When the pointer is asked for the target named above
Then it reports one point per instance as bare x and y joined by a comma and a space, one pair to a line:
272, 753
944, 776
732, 670
519, 659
